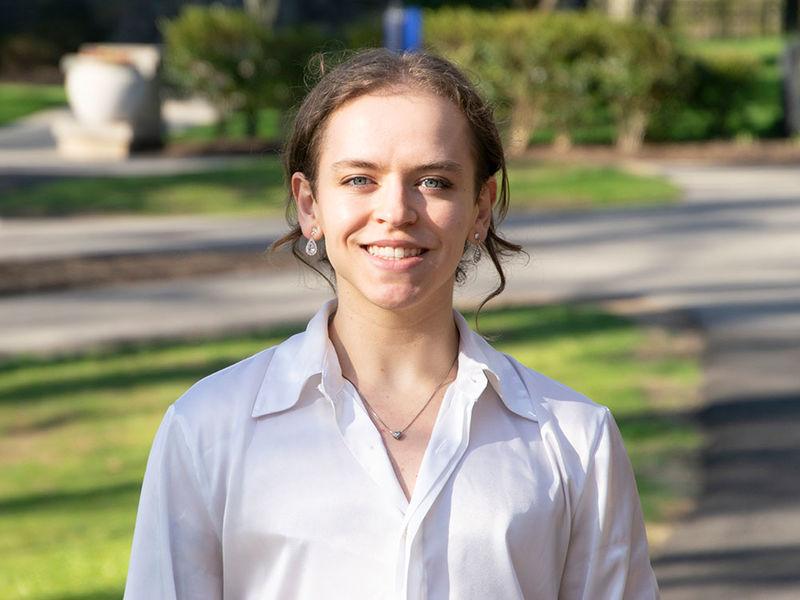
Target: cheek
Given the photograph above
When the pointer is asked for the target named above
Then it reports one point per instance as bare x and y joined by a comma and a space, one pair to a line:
455, 224
340, 216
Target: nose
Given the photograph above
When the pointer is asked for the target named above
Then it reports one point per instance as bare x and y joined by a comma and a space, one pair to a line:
396, 204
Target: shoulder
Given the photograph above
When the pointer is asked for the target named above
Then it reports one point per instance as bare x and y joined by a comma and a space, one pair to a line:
225, 397
567, 418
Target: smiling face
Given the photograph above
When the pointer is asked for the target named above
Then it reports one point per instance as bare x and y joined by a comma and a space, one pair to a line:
395, 198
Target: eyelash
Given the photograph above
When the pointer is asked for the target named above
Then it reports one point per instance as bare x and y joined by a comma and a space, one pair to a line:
352, 179
441, 184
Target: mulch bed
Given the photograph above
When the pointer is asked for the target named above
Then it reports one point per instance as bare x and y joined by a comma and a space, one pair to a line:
21, 277
761, 152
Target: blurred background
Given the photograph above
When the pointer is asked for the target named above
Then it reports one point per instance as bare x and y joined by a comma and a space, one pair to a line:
654, 161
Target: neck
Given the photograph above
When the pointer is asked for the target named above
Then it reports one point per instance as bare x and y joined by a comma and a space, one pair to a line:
392, 349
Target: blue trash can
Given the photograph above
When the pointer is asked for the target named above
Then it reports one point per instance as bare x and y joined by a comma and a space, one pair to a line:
402, 28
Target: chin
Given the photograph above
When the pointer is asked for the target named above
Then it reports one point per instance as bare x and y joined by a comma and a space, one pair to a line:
404, 297
395, 300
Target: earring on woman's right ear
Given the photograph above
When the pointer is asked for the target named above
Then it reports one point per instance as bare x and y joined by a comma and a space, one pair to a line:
311, 245
476, 249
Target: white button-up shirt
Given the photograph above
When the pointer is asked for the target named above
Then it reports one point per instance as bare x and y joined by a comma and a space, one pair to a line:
268, 480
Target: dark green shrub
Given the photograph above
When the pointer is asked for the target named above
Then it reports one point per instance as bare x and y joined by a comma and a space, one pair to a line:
723, 94
226, 56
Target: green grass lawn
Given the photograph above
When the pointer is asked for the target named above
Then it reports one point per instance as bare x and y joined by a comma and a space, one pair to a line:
21, 99
256, 186
75, 433
565, 187
766, 48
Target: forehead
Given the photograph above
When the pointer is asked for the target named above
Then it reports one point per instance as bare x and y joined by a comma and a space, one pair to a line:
405, 126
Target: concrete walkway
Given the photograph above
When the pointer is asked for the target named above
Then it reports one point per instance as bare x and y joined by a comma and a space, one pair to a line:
28, 150
729, 256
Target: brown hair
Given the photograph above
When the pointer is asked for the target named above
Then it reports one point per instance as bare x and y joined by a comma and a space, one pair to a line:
373, 70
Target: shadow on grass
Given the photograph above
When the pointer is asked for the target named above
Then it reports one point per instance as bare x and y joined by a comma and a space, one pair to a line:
521, 324
122, 377
70, 500
105, 594
509, 325
33, 391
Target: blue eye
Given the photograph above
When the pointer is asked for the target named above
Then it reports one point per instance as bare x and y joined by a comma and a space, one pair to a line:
358, 181
433, 183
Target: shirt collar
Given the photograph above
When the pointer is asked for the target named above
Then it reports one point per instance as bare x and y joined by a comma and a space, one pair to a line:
477, 355
310, 354
297, 360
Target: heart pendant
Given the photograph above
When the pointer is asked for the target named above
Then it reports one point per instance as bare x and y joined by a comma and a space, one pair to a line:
396, 434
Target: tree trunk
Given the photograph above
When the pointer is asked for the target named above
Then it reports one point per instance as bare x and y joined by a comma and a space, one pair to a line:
221, 126
562, 143
251, 123
524, 119
264, 11
654, 11
791, 16
630, 132
621, 9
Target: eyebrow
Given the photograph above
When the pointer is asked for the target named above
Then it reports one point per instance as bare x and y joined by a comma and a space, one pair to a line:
439, 165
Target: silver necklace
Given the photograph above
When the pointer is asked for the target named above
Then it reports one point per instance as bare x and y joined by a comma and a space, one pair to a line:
398, 434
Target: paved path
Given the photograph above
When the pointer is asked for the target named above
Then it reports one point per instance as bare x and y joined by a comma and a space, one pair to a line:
729, 255
28, 151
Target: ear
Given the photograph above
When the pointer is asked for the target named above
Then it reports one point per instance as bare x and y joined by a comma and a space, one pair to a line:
484, 204
306, 205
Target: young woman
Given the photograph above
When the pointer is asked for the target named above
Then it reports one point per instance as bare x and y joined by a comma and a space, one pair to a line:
388, 451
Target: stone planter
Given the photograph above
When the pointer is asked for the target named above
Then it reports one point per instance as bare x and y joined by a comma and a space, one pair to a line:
101, 92
113, 91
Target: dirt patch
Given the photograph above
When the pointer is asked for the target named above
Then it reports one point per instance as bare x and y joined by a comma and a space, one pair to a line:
758, 152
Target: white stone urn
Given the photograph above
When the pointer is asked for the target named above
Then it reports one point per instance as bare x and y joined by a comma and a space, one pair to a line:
102, 91
113, 91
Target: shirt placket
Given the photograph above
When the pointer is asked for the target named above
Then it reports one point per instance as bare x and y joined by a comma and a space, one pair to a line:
449, 442
365, 444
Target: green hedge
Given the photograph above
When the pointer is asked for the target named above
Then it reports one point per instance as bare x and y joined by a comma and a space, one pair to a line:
726, 91
564, 77
556, 77
560, 70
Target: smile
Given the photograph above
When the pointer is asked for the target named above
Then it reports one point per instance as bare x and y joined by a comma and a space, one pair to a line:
393, 253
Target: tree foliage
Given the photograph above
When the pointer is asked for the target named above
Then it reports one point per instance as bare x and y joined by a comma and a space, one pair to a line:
229, 57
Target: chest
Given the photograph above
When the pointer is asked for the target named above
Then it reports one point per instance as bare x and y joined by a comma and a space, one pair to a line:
311, 496
406, 452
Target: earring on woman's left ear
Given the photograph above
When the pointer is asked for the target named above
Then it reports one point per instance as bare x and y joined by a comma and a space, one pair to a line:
311, 245
476, 249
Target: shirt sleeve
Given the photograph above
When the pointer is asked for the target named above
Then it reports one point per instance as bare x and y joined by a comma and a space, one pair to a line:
176, 552
607, 555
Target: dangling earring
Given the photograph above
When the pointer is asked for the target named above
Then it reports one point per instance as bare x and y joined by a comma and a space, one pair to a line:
311, 245
476, 249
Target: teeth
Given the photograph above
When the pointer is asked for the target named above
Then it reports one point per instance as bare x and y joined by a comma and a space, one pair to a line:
393, 253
